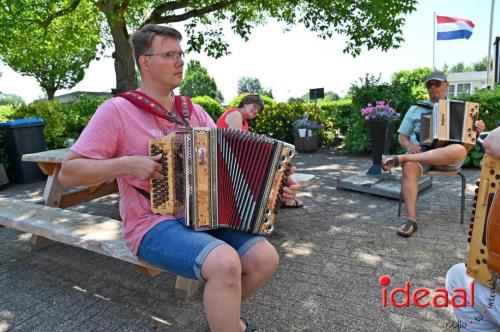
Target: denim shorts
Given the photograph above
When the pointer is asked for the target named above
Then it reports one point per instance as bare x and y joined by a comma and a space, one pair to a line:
174, 247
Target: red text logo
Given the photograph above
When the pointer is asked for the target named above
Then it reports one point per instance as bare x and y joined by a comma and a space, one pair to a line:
423, 297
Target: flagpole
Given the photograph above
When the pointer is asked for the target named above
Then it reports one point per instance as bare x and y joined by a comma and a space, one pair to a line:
489, 43
434, 43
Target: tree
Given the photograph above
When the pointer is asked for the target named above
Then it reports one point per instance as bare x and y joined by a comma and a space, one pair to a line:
329, 96
10, 99
367, 23
197, 82
249, 85
415, 79
267, 92
460, 68
55, 54
481, 65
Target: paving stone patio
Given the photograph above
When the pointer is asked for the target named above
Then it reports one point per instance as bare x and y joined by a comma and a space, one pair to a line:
332, 251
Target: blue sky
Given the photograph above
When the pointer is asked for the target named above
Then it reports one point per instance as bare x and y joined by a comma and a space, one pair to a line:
293, 62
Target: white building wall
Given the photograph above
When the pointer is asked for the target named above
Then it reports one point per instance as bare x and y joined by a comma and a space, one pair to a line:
465, 82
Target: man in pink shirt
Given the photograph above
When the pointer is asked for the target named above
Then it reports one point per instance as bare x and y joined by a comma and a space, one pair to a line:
114, 145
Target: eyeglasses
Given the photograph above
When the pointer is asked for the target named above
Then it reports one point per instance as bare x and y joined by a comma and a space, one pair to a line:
170, 56
431, 84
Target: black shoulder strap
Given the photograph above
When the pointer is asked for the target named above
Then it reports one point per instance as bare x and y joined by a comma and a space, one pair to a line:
424, 104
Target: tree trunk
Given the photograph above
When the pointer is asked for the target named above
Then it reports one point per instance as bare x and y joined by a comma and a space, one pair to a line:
50, 93
124, 60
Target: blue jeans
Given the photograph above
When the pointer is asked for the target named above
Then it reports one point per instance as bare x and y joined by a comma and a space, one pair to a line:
179, 249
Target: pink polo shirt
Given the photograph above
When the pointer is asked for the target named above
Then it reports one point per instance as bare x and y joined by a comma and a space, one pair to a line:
118, 128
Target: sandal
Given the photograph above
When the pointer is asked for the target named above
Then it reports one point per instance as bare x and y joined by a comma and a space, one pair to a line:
296, 204
250, 327
390, 162
405, 231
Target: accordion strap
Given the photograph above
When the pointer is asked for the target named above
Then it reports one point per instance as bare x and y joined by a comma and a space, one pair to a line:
143, 192
146, 103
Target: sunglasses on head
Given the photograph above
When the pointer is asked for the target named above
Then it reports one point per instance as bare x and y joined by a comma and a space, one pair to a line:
431, 84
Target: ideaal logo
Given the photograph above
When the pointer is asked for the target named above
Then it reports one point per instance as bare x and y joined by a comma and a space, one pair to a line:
440, 297
423, 297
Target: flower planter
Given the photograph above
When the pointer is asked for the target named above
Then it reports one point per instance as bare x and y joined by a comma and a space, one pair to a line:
380, 132
302, 132
306, 144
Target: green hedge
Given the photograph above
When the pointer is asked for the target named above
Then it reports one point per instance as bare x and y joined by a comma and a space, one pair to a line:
210, 105
6, 112
52, 113
489, 101
368, 90
268, 101
78, 113
489, 112
277, 121
62, 121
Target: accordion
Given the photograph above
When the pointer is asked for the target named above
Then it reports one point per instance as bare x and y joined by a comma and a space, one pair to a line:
483, 262
218, 177
451, 121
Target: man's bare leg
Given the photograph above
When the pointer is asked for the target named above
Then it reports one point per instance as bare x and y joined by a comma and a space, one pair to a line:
447, 155
409, 186
258, 265
222, 293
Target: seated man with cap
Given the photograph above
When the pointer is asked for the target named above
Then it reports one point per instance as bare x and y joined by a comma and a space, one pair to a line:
419, 159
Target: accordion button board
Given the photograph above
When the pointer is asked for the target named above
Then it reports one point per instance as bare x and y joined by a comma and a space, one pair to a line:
221, 178
451, 121
484, 236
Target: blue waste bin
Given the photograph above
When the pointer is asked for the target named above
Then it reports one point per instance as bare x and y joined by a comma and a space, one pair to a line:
24, 136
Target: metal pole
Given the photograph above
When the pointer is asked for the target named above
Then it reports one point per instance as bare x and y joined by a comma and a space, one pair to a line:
496, 68
434, 43
488, 68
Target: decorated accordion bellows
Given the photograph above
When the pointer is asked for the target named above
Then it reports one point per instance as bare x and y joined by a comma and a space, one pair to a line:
483, 262
451, 121
221, 178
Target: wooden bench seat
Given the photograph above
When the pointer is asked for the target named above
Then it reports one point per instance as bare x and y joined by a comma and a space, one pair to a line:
96, 233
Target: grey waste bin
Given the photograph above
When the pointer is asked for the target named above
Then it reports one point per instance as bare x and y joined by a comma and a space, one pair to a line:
24, 136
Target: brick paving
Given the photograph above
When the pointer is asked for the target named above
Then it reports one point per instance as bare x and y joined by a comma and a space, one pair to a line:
332, 252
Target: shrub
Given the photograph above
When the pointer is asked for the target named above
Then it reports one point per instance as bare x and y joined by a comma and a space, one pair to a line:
489, 101
3, 156
6, 112
369, 90
265, 99
489, 112
339, 113
52, 113
78, 113
277, 121
474, 157
210, 105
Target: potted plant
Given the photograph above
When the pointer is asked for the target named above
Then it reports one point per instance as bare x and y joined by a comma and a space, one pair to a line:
380, 118
301, 127
312, 126
306, 140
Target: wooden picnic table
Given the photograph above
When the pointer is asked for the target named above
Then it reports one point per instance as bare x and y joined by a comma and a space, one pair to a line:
54, 194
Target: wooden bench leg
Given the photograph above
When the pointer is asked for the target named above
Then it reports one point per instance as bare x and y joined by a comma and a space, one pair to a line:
185, 288
147, 272
39, 242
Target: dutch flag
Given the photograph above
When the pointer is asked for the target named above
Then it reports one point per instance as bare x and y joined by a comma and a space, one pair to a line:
453, 28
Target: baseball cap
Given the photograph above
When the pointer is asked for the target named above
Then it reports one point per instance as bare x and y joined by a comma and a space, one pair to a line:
436, 76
